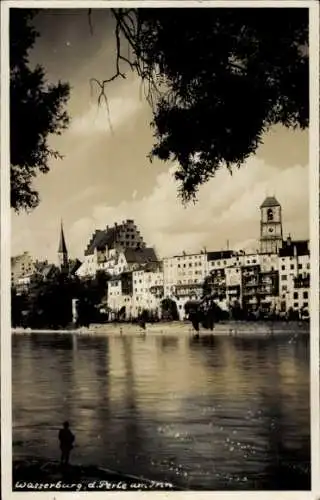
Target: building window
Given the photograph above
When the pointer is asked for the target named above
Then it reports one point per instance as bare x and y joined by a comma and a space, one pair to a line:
291, 266
305, 304
299, 266
270, 214
295, 295
295, 305
284, 277
284, 288
283, 268
308, 265
305, 295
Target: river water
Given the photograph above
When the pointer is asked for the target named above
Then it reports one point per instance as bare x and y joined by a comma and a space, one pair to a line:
209, 413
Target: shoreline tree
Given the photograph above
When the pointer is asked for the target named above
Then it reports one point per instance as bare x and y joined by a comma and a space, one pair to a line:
217, 80
37, 110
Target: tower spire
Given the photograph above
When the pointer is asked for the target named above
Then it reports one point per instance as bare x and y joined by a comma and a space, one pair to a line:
62, 243
62, 250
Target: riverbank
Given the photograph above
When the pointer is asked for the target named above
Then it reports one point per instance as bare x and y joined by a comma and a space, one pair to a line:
39, 475
229, 328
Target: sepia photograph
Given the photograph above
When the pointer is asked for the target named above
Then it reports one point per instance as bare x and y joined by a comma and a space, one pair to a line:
157, 201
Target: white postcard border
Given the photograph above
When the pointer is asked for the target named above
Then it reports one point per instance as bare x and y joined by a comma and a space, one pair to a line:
6, 412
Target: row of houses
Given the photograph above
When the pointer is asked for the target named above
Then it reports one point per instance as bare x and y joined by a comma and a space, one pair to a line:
271, 282
275, 278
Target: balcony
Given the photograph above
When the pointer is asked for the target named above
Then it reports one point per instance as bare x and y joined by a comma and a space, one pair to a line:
216, 282
267, 290
249, 293
157, 290
250, 283
302, 282
188, 289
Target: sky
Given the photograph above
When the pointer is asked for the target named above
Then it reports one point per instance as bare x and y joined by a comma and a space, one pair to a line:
106, 177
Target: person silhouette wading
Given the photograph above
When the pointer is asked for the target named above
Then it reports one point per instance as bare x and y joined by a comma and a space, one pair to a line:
66, 439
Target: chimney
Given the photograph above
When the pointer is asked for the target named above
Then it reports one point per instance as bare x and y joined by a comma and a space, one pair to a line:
289, 241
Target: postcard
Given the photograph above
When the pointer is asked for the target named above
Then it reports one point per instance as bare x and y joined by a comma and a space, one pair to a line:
160, 248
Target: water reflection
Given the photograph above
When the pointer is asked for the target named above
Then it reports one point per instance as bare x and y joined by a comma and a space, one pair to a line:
207, 413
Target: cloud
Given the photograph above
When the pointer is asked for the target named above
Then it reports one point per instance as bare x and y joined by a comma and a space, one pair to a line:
100, 119
227, 210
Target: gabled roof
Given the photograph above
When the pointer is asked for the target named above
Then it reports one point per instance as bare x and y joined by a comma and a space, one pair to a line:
48, 269
74, 265
39, 266
102, 238
270, 201
140, 255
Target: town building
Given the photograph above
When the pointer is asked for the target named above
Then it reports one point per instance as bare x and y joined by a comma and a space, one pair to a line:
294, 276
270, 226
104, 247
275, 279
22, 267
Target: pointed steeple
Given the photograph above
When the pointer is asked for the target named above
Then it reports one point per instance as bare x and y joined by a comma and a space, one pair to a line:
62, 244
62, 251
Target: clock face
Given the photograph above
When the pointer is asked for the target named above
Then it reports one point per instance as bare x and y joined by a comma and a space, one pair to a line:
270, 229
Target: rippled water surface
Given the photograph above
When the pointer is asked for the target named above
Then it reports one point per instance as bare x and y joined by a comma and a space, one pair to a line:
212, 413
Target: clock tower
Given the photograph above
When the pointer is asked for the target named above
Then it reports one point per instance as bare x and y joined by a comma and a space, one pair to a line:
270, 226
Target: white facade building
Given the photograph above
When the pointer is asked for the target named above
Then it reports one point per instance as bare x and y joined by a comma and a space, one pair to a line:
22, 267
103, 249
294, 276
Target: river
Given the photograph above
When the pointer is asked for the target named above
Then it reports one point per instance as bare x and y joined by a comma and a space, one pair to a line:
212, 413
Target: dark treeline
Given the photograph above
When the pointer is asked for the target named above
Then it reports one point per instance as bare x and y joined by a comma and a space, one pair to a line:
51, 304
48, 304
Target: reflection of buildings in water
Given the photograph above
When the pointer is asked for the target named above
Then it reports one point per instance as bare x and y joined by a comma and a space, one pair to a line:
131, 396
235, 361
88, 390
167, 344
155, 372
74, 342
129, 433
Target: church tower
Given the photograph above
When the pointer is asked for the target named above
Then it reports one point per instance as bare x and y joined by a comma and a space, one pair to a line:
270, 226
63, 252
